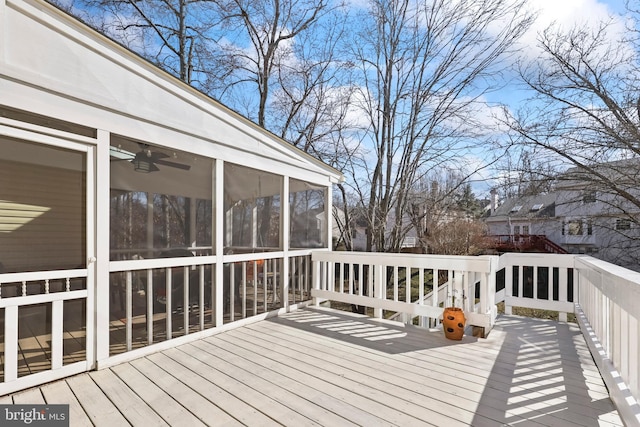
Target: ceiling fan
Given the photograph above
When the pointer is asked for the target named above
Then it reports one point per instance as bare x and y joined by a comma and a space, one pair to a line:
145, 160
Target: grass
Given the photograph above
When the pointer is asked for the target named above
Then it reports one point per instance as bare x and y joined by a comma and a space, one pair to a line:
536, 313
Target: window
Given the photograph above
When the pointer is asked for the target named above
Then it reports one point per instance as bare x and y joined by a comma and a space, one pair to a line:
589, 227
564, 226
252, 209
537, 207
516, 229
623, 224
516, 208
308, 219
574, 227
525, 229
589, 196
164, 211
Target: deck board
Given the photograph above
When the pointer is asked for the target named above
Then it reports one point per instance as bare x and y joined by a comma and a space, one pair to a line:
58, 392
323, 367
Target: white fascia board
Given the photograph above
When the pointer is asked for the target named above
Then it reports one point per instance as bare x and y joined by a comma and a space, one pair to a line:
52, 51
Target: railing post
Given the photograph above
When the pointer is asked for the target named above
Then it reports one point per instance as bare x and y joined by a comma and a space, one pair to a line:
316, 279
508, 286
563, 278
378, 288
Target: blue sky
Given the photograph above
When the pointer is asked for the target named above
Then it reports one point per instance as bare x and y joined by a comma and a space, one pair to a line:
564, 13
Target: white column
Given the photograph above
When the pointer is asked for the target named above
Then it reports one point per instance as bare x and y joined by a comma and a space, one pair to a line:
218, 242
285, 228
98, 296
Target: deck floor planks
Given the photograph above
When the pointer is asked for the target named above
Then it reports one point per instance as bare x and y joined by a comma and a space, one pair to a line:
431, 396
132, 407
283, 395
304, 384
322, 367
59, 393
542, 397
234, 406
30, 396
167, 407
100, 410
351, 387
173, 380
263, 403
295, 380
472, 360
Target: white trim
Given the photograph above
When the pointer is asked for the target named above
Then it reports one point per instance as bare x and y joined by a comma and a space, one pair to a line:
41, 378
54, 141
98, 301
42, 298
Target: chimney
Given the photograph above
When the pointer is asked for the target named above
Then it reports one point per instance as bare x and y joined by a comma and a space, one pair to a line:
494, 200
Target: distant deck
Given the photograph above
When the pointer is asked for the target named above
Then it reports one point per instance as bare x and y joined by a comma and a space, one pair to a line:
324, 367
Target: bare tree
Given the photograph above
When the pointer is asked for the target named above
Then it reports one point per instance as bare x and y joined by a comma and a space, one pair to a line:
174, 34
424, 66
261, 36
585, 113
439, 203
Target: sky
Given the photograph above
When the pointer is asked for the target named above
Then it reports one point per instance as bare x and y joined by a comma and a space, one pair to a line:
565, 13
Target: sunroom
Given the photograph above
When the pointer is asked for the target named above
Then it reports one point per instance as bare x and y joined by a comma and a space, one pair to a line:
135, 212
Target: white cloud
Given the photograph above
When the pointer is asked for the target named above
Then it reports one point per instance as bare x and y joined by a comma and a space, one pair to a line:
567, 14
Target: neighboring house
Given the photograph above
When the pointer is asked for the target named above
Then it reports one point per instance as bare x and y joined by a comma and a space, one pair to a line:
531, 215
576, 217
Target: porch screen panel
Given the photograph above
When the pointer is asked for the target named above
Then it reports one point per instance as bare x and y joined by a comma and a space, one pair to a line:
308, 216
42, 207
252, 203
161, 207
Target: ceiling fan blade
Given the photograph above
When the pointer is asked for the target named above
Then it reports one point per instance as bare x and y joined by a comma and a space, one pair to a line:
173, 164
157, 155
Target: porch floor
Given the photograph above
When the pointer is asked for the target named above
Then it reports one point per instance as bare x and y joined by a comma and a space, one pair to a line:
324, 367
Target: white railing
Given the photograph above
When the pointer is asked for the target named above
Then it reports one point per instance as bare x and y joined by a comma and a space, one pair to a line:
539, 281
155, 300
383, 281
44, 295
608, 311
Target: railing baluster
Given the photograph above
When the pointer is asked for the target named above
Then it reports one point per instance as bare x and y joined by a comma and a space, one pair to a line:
244, 289
11, 343
232, 291
186, 300
57, 334
395, 283
201, 296
129, 310
150, 300
168, 304
255, 287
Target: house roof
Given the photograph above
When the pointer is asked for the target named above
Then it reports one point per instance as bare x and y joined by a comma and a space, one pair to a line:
527, 207
623, 172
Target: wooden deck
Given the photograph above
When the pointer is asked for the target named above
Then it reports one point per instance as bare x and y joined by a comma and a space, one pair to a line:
323, 367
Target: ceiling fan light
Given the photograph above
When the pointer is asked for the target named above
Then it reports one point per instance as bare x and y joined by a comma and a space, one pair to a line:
142, 164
